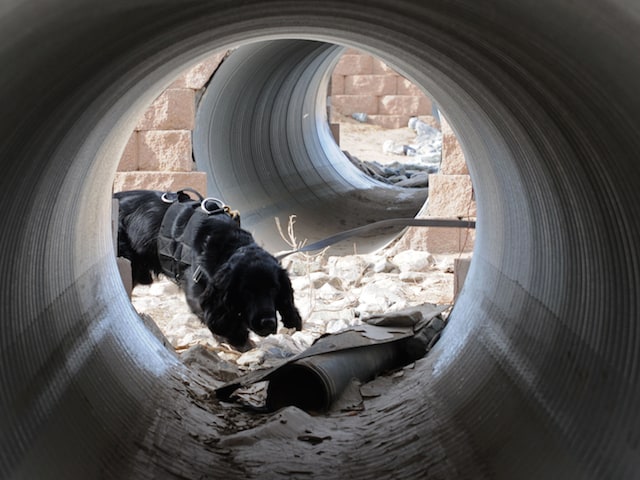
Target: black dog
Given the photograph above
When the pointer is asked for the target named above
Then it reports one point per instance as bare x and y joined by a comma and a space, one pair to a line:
230, 282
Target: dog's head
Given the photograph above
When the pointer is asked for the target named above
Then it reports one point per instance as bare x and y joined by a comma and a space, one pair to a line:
245, 293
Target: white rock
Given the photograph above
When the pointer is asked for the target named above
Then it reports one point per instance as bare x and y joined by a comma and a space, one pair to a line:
252, 357
379, 297
414, 261
300, 284
412, 277
384, 266
349, 268
300, 264
337, 326
325, 317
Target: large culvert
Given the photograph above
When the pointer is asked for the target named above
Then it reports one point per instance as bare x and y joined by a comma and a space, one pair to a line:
536, 375
263, 137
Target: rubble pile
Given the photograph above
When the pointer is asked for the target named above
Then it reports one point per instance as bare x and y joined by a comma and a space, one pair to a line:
425, 152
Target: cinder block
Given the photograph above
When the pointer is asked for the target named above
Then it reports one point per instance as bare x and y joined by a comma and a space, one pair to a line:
370, 85
450, 240
129, 159
381, 68
460, 270
335, 131
352, 64
389, 121
437, 240
398, 105
348, 104
168, 150
337, 84
124, 267
425, 105
414, 238
453, 161
197, 76
165, 181
406, 87
451, 196
174, 109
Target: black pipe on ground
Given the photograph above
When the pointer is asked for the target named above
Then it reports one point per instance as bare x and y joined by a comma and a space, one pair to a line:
536, 375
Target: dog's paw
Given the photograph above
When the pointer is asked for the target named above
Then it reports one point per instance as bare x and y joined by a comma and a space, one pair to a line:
245, 347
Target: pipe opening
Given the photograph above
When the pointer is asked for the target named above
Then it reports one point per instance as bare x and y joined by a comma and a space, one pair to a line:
263, 136
536, 373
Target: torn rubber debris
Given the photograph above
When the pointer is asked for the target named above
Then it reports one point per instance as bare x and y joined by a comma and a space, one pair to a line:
314, 379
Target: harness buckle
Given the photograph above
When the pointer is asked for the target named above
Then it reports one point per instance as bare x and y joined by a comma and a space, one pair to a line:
169, 197
197, 274
219, 205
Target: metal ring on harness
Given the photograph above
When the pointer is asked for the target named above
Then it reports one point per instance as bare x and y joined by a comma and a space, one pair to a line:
171, 197
166, 199
222, 207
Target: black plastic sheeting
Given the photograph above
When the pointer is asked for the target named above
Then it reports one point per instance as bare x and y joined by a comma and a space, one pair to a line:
536, 375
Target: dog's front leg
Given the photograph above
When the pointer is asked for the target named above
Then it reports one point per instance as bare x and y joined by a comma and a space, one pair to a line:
285, 303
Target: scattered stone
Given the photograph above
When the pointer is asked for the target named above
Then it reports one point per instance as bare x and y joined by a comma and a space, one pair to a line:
252, 357
411, 277
383, 265
414, 261
349, 268
360, 117
337, 294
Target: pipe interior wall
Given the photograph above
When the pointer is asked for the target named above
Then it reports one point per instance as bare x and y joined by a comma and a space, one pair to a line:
262, 135
536, 375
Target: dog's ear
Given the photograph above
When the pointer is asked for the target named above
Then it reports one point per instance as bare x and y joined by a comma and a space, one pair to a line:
284, 302
219, 313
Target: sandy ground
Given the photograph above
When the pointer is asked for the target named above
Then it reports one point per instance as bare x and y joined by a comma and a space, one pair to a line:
365, 141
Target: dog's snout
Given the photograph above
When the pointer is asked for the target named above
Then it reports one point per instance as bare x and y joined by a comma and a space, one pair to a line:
266, 326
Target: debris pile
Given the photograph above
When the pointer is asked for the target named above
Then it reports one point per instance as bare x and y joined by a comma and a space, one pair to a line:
332, 293
425, 151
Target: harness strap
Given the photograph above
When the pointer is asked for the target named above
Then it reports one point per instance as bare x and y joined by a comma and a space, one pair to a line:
179, 227
391, 222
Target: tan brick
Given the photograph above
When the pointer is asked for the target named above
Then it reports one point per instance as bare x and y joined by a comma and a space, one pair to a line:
370, 85
354, 65
431, 121
406, 87
348, 104
337, 84
449, 240
353, 51
389, 121
424, 105
414, 238
129, 159
168, 150
381, 68
453, 161
399, 105
451, 196
460, 271
437, 240
197, 76
174, 109
166, 181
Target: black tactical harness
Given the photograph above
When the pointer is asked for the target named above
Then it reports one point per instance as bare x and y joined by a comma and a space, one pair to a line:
179, 227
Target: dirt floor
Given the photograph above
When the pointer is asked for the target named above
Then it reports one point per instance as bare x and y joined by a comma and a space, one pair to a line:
366, 141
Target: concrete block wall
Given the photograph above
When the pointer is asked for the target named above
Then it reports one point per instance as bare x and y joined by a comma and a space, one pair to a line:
159, 153
361, 83
450, 196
